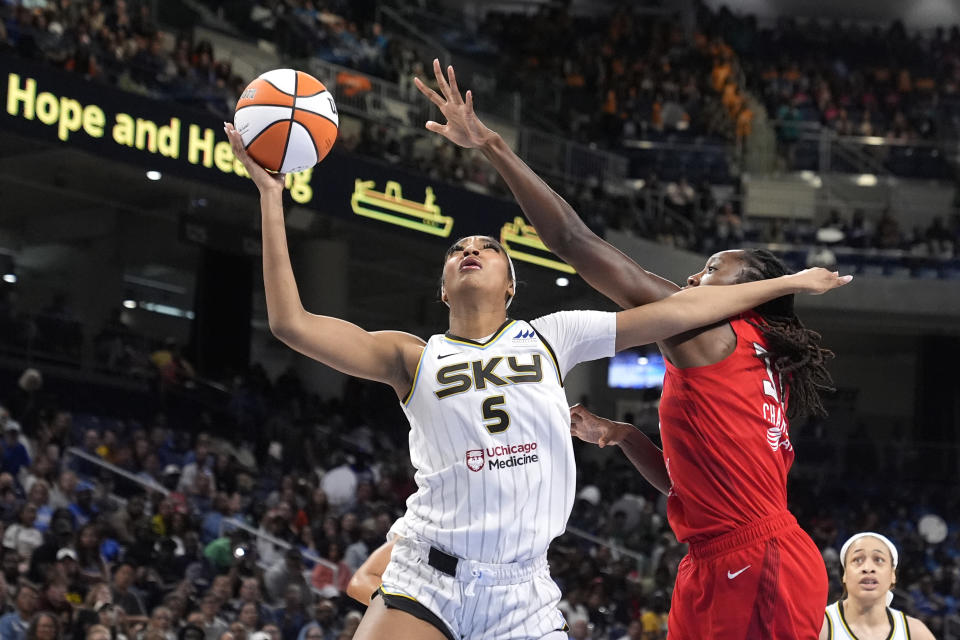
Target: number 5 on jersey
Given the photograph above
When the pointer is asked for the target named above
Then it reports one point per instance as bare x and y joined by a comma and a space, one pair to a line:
495, 417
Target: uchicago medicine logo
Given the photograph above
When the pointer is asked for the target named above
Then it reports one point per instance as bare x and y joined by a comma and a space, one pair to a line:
475, 459
502, 456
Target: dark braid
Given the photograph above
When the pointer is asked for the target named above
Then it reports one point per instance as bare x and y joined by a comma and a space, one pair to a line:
792, 350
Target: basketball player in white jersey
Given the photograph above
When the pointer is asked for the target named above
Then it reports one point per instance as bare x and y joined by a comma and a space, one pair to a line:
489, 426
869, 572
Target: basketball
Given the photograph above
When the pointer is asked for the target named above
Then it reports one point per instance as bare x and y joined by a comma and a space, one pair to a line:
287, 119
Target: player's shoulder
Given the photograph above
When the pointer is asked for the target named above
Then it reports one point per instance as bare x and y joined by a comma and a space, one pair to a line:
571, 318
916, 630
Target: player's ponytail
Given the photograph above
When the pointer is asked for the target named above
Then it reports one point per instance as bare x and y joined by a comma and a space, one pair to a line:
793, 350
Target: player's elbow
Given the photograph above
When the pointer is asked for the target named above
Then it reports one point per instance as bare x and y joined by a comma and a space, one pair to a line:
283, 329
564, 240
359, 588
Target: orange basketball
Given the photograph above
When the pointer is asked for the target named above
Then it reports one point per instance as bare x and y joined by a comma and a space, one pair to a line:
287, 119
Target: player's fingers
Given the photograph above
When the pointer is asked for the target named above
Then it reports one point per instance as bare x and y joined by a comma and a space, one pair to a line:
236, 141
432, 95
469, 101
441, 81
436, 127
454, 89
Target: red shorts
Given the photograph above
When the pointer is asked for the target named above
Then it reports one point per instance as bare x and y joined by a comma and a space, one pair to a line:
764, 581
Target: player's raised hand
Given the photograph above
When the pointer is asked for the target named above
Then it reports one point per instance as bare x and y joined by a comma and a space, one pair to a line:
818, 280
463, 127
590, 427
265, 181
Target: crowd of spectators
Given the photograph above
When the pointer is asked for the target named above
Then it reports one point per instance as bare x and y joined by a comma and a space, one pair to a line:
625, 75
119, 42
856, 80
88, 553
940, 239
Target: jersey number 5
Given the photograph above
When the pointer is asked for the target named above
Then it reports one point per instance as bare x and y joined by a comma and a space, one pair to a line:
495, 417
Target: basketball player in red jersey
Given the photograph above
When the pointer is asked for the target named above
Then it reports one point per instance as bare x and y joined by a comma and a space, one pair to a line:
730, 388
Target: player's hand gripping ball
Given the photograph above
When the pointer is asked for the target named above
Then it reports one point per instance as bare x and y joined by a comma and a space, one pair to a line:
287, 119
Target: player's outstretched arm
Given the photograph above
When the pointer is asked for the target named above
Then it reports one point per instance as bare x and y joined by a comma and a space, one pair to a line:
702, 306
369, 576
639, 449
605, 267
384, 356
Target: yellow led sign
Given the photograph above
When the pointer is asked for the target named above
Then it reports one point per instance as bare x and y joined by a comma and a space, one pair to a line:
174, 139
390, 206
518, 238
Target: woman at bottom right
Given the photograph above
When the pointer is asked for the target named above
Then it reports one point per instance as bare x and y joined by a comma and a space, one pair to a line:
863, 612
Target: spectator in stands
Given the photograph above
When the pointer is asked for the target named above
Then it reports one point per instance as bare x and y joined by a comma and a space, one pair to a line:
124, 593
53, 598
292, 616
100, 632
286, 572
323, 578
92, 565
173, 369
44, 626
161, 623
249, 616
200, 459
13, 626
83, 509
15, 456
22, 535
681, 197
888, 232
729, 228
250, 595
63, 493
323, 625
213, 625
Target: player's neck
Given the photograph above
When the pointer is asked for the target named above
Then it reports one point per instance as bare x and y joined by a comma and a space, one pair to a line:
476, 323
867, 614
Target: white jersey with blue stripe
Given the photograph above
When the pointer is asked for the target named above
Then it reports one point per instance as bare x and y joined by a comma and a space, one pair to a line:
490, 436
838, 629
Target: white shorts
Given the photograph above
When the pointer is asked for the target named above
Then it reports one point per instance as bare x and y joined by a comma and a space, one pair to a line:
483, 601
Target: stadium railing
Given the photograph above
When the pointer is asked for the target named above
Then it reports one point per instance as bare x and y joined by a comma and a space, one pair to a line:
811, 146
386, 102
508, 105
615, 548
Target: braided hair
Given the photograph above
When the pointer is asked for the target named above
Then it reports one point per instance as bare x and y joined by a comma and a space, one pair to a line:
793, 350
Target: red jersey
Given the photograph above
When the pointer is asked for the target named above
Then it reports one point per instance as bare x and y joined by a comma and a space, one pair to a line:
725, 439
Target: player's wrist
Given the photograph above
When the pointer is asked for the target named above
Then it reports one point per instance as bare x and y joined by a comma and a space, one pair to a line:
622, 432
491, 142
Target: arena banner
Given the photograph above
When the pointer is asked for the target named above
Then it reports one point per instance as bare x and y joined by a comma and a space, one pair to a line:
57, 106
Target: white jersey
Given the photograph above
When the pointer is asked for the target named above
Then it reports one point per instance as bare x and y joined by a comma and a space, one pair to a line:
839, 630
490, 436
